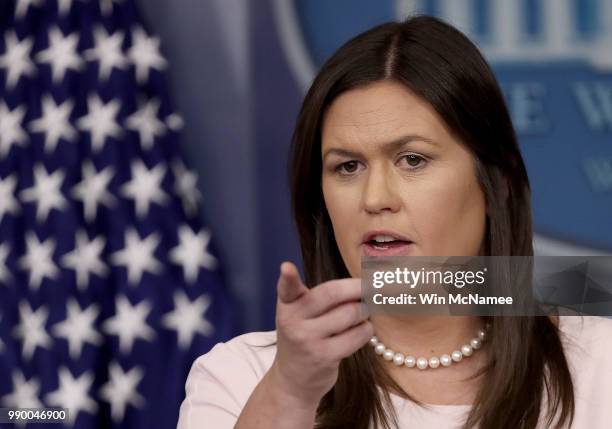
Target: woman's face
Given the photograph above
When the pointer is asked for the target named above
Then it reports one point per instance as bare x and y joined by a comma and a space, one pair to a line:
392, 168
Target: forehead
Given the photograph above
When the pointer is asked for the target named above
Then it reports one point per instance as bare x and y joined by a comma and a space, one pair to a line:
380, 112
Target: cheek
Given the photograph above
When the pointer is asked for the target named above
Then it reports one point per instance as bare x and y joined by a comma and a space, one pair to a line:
449, 216
342, 206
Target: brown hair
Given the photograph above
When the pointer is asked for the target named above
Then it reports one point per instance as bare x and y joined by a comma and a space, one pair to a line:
440, 65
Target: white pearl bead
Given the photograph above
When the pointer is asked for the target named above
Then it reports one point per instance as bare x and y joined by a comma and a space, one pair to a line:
457, 356
380, 348
482, 334
422, 363
398, 359
388, 354
374, 341
434, 362
467, 350
410, 361
445, 360
475, 343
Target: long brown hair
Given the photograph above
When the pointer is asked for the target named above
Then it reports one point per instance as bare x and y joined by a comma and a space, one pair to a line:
442, 66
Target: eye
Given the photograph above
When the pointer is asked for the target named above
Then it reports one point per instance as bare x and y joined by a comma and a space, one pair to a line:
347, 168
413, 161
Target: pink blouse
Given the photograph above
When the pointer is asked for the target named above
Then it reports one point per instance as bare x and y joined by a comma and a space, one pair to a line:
221, 381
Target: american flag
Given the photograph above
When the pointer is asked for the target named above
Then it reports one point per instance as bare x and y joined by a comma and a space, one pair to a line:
109, 283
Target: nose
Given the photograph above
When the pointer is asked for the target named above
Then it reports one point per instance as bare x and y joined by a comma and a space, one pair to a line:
380, 191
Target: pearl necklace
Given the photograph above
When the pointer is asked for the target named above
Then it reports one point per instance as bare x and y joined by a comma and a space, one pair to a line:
433, 362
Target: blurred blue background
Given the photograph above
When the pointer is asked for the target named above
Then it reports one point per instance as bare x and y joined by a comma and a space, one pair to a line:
239, 68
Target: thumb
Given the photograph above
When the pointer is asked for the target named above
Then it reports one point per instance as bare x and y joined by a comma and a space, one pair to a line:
290, 286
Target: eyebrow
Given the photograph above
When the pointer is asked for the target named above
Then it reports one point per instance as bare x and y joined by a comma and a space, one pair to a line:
390, 146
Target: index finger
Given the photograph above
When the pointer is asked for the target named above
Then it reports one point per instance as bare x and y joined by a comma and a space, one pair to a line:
290, 286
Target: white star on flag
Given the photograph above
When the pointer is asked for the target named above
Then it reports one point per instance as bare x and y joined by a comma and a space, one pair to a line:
137, 255
38, 259
146, 123
31, 329
107, 52
78, 327
5, 274
106, 6
61, 54
175, 122
145, 186
46, 192
92, 190
144, 53
54, 122
85, 258
185, 185
100, 121
25, 392
73, 393
8, 202
22, 7
121, 390
64, 6
129, 323
16, 58
11, 131
192, 252
187, 318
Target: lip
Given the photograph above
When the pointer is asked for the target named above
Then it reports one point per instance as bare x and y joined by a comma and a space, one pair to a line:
371, 234
395, 250
400, 250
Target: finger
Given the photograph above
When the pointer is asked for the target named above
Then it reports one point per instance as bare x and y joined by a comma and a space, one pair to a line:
290, 286
330, 294
339, 319
349, 341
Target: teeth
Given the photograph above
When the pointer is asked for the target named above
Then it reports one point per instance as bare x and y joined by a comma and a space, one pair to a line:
383, 238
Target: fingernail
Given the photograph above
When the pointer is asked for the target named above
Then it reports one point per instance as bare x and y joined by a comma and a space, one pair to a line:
280, 268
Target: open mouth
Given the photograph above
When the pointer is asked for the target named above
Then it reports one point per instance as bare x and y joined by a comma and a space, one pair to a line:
383, 245
387, 248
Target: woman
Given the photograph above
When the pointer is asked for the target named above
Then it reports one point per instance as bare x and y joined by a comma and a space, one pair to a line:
403, 146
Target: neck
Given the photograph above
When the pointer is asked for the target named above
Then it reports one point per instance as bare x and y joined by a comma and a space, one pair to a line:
425, 335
